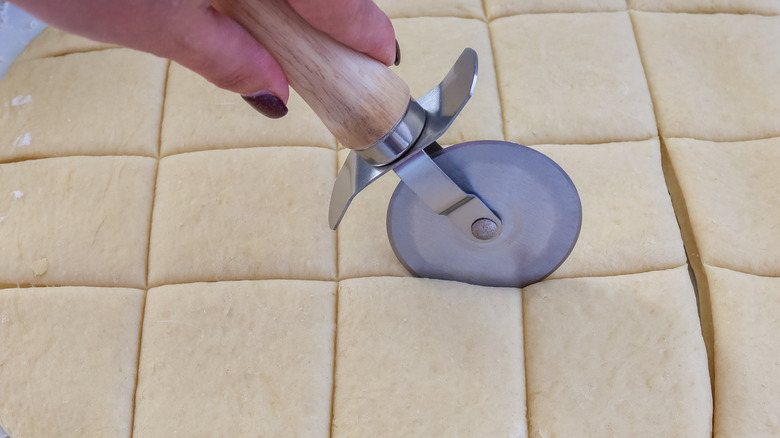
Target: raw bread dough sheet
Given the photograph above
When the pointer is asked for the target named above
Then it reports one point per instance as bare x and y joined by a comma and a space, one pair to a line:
238, 197
68, 358
246, 358
571, 78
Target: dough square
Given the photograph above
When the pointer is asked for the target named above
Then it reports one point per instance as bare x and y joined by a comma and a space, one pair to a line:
76, 221
423, 66
747, 371
419, 357
248, 358
616, 356
732, 193
571, 78
200, 116
68, 360
56, 42
243, 214
502, 8
432, 8
763, 7
712, 77
364, 248
71, 105
628, 223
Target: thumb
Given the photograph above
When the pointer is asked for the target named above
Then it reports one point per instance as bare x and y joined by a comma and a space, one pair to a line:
220, 50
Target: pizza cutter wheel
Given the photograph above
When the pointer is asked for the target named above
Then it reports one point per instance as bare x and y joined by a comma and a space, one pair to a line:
535, 201
486, 212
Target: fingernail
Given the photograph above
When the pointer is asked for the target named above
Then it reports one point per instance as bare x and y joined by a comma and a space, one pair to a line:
267, 104
397, 53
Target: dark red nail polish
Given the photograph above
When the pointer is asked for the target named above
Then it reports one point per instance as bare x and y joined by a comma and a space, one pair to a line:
267, 104
397, 53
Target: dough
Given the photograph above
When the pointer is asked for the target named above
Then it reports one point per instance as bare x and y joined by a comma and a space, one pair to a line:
437, 8
200, 116
732, 194
76, 221
712, 77
364, 248
68, 360
571, 78
765, 7
248, 358
71, 105
502, 8
616, 356
55, 42
259, 213
628, 224
426, 65
747, 371
428, 358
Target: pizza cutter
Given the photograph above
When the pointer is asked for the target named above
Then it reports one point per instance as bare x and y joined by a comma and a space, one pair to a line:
491, 213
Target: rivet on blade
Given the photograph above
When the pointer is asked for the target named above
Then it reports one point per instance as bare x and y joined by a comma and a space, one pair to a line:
484, 229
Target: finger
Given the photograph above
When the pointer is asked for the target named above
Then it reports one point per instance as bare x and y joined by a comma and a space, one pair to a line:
359, 24
219, 49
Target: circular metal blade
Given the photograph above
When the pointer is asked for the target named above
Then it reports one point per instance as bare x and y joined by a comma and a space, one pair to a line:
537, 203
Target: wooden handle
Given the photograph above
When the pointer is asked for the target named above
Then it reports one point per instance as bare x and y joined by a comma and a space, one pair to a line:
357, 97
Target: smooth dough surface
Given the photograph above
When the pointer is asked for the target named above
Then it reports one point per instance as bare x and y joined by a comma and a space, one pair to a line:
363, 246
428, 358
616, 356
243, 214
712, 76
571, 78
732, 191
427, 63
200, 116
502, 8
766, 7
249, 358
431, 8
71, 105
68, 361
76, 221
747, 369
55, 42
628, 223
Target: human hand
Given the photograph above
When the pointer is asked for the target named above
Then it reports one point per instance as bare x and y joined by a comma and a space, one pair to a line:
197, 36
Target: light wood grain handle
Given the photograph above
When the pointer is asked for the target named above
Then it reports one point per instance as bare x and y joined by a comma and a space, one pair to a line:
358, 98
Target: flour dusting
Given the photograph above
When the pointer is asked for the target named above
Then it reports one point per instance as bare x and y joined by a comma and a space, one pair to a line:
21, 99
17, 194
23, 140
2, 218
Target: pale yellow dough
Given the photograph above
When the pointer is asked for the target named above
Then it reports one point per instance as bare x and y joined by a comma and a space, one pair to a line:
616, 357
712, 77
364, 248
55, 42
430, 46
732, 193
259, 213
68, 361
249, 358
502, 8
747, 369
571, 78
200, 116
431, 8
76, 221
427, 358
628, 223
765, 7
72, 105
